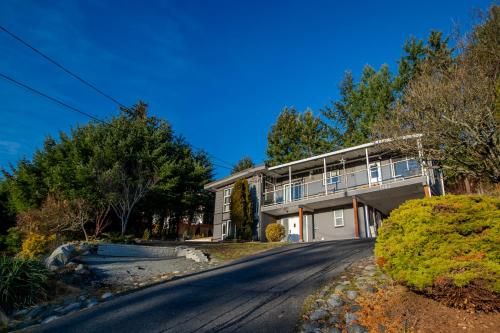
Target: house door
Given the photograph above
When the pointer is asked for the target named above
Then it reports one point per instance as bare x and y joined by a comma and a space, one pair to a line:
375, 173
293, 229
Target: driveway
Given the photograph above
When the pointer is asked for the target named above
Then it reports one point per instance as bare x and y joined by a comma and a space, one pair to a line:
261, 293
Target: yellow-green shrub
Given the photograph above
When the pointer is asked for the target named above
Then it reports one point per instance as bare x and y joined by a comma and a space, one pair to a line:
275, 232
452, 238
146, 235
35, 245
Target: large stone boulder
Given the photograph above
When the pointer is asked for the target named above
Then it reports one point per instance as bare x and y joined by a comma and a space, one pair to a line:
61, 256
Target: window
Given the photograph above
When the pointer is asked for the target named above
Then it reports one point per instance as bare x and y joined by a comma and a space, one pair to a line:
406, 168
338, 217
226, 226
375, 174
334, 177
227, 200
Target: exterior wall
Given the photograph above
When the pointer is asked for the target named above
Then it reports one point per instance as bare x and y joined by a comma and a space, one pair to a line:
265, 220
217, 233
221, 216
320, 226
324, 228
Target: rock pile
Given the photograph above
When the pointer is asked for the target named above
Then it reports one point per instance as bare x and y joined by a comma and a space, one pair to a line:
334, 309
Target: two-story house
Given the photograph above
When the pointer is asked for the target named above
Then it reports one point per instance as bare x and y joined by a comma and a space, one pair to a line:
337, 195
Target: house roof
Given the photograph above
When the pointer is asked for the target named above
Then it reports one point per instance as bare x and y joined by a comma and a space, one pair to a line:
232, 178
309, 161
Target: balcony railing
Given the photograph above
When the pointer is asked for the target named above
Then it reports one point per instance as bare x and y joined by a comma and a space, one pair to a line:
379, 174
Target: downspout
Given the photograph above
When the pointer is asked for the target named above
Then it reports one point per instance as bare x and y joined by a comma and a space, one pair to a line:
367, 224
368, 168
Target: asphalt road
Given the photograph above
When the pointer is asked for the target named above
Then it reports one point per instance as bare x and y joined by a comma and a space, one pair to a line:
261, 293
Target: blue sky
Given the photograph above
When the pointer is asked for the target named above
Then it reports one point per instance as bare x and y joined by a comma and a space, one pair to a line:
219, 71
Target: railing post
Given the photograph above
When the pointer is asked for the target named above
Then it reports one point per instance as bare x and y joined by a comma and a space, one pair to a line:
393, 176
345, 173
368, 168
324, 175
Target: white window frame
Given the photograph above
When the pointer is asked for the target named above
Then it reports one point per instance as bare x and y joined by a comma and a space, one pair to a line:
226, 206
225, 225
338, 214
333, 174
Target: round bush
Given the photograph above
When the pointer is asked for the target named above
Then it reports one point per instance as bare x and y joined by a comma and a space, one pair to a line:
450, 241
275, 232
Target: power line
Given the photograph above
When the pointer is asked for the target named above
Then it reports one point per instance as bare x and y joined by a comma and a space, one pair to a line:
74, 75
66, 105
53, 99
79, 78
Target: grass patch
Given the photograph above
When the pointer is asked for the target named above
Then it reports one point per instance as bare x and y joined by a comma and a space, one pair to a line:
231, 251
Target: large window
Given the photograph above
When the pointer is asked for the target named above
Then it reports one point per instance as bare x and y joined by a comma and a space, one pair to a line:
406, 168
227, 200
338, 217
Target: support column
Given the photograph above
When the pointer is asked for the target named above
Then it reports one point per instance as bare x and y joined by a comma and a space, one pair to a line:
289, 184
355, 214
427, 191
301, 220
368, 168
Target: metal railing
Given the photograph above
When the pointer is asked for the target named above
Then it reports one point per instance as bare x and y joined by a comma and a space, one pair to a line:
379, 174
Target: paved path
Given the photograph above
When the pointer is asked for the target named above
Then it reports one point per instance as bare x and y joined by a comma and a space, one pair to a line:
261, 293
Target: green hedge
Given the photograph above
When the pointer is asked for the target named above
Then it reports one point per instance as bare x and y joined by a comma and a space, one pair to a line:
450, 238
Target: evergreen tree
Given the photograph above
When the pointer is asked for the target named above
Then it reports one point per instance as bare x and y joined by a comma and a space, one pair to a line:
295, 136
243, 164
361, 105
116, 164
241, 211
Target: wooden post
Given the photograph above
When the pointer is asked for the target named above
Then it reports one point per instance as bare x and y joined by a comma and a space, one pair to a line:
301, 220
355, 213
427, 191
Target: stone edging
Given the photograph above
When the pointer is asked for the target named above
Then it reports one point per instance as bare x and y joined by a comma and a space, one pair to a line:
127, 250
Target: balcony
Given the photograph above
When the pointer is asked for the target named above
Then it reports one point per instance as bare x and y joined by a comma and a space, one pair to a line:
376, 175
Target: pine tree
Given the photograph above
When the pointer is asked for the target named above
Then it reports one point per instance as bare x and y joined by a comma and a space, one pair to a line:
361, 105
243, 164
295, 136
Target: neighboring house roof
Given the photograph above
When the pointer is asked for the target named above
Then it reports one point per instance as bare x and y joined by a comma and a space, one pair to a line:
232, 178
275, 169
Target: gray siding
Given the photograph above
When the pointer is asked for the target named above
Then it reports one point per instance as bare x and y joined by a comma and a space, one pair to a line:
264, 222
324, 228
218, 215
